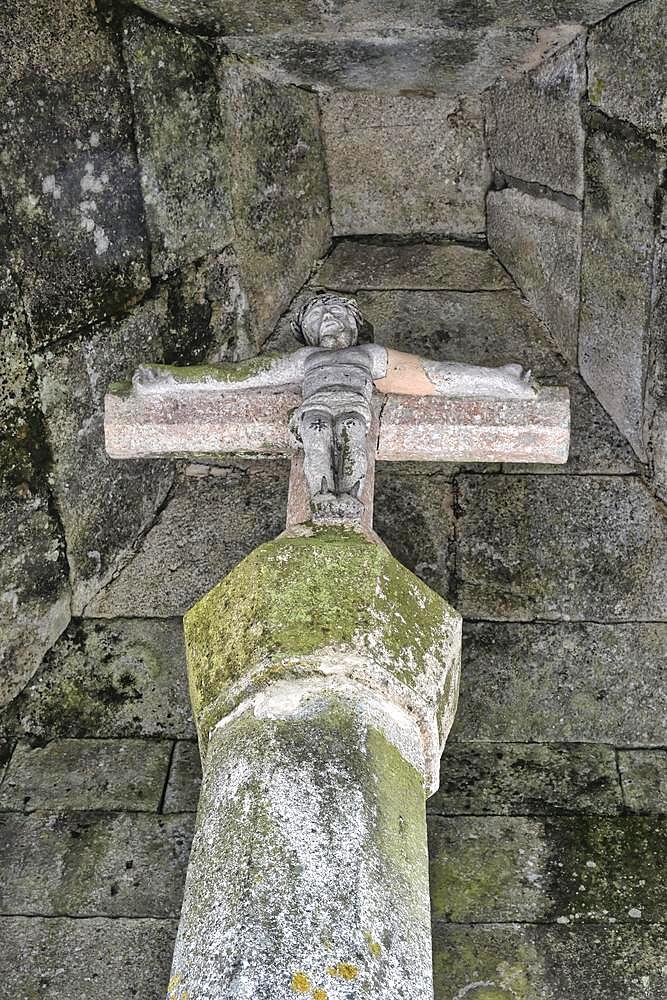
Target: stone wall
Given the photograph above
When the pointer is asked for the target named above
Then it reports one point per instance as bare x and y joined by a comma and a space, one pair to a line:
159, 202
579, 151
547, 835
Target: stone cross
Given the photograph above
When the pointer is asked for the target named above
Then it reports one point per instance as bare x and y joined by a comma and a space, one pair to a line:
335, 406
323, 674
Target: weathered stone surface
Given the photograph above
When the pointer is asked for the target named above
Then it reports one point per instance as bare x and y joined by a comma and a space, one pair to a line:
596, 444
608, 870
337, 604
617, 260
574, 870
68, 170
533, 123
17, 380
5, 753
414, 516
179, 421
94, 864
655, 399
210, 523
182, 794
626, 66
280, 195
539, 242
482, 328
355, 265
554, 547
548, 683
476, 430
34, 594
109, 679
183, 145
208, 317
644, 780
234, 16
376, 146
496, 962
330, 904
459, 58
86, 774
55, 957
527, 779
104, 506
487, 869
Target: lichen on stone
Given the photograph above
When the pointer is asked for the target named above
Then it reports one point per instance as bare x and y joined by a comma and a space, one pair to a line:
332, 591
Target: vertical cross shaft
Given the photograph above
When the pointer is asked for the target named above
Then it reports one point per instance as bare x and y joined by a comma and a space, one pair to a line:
324, 678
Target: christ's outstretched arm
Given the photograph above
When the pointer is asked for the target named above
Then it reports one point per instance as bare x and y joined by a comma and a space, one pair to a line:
264, 372
408, 374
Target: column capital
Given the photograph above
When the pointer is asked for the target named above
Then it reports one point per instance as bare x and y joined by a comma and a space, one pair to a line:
325, 608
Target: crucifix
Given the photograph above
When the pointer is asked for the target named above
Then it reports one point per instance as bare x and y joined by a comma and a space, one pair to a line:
323, 674
333, 407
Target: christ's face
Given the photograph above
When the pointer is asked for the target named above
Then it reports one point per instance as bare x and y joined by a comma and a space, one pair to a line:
331, 325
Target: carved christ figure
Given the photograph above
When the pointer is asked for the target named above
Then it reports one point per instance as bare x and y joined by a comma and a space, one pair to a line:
337, 376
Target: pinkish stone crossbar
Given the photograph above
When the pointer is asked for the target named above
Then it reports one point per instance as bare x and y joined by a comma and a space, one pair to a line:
254, 423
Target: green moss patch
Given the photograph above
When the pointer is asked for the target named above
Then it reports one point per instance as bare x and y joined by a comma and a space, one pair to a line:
297, 596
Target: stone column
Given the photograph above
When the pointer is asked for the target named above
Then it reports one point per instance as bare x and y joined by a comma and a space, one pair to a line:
324, 679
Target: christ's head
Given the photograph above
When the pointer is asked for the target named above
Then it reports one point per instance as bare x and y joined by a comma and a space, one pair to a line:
328, 321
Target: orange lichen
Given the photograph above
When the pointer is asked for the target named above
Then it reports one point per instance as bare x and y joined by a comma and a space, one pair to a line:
320, 995
300, 983
343, 970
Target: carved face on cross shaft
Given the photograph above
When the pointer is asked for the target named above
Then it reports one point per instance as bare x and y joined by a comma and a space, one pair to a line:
330, 322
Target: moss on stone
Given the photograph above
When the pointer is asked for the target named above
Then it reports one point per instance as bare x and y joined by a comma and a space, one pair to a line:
299, 596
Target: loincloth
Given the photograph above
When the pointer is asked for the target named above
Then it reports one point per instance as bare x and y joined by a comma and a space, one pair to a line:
334, 403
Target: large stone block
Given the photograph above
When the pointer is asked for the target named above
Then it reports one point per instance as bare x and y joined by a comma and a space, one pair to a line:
547, 683
607, 870
354, 265
94, 864
465, 53
576, 870
655, 398
644, 780
485, 869
111, 680
104, 505
86, 774
184, 145
90, 959
34, 595
626, 66
376, 146
297, 16
622, 176
533, 123
488, 328
280, 195
539, 242
68, 169
414, 516
211, 522
560, 547
527, 779
496, 962
185, 775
